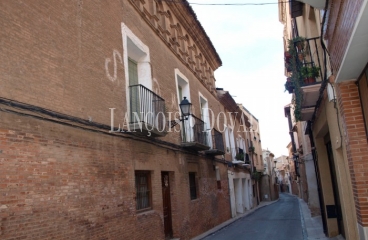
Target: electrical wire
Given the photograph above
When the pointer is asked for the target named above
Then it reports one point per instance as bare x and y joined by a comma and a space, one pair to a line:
224, 4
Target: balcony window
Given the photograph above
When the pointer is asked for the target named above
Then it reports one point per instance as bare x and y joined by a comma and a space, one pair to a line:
218, 147
306, 75
194, 134
147, 111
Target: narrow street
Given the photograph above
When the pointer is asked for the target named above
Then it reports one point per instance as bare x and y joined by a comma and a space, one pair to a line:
278, 221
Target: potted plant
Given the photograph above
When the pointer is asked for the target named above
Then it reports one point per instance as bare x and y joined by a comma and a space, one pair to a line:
289, 86
251, 149
310, 74
287, 56
288, 67
239, 156
299, 42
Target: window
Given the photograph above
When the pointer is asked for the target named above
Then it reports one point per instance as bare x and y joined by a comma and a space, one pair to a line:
227, 140
193, 186
363, 94
205, 116
143, 190
137, 61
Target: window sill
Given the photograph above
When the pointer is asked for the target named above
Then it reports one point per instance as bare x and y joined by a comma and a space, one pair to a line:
194, 200
145, 212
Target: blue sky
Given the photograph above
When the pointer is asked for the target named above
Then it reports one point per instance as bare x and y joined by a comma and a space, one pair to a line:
249, 42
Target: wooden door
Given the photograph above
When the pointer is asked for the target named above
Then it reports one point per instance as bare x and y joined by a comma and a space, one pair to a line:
166, 204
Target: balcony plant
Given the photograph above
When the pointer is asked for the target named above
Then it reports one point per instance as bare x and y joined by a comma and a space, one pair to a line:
296, 50
298, 42
289, 86
251, 149
310, 74
239, 156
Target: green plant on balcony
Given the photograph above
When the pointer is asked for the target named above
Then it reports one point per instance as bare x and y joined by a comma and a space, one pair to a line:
298, 42
310, 74
239, 156
289, 86
295, 48
251, 149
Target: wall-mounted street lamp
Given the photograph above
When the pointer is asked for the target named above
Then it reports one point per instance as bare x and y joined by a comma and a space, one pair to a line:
186, 109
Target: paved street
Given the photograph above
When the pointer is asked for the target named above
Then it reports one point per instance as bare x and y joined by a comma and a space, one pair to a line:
278, 221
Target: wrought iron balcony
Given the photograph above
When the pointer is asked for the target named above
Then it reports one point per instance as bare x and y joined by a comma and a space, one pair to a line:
217, 144
147, 112
194, 134
305, 60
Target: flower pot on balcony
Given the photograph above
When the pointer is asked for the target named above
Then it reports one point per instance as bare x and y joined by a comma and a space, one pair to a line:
310, 74
301, 57
287, 56
239, 156
289, 85
309, 80
288, 67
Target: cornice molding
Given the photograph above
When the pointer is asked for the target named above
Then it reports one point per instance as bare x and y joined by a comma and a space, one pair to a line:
172, 42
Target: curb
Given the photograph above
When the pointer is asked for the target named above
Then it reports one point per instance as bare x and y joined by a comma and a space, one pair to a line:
231, 220
304, 229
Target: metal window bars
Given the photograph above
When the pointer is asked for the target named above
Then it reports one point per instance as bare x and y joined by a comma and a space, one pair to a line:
147, 107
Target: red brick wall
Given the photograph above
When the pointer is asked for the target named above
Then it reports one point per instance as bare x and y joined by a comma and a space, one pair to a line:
60, 182
340, 25
356, 145
57, 52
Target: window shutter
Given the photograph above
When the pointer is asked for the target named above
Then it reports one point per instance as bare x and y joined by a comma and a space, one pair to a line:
296, 8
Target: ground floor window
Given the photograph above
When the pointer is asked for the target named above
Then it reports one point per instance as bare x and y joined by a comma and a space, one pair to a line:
193, 186
143, 190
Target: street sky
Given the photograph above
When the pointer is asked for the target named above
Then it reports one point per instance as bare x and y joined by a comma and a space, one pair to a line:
249, 42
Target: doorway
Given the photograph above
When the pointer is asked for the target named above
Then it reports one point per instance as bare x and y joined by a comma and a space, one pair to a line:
166, 204
335, 188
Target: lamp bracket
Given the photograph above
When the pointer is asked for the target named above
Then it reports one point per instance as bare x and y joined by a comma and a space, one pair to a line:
173, 123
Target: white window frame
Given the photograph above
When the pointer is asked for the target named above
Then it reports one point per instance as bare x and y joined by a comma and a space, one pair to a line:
135, 49
206, 119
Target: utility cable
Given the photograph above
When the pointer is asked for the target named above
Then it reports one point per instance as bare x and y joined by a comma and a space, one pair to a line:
224, 4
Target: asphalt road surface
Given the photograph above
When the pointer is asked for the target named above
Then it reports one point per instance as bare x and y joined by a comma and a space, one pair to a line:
278, 221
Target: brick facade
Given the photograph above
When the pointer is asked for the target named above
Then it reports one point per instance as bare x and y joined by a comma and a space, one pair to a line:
342, 19
356, 145
340, 24
72, 179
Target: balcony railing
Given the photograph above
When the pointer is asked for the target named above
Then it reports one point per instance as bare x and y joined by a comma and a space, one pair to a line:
194, 134
147, 111
218, 144
311, 57
305, 64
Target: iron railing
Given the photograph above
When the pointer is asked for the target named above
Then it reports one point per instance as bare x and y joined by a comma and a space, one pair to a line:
193, 130
146, 107
218, 141
311, 56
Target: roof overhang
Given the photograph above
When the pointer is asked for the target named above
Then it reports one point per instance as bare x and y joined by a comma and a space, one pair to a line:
320, 4
356, 54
